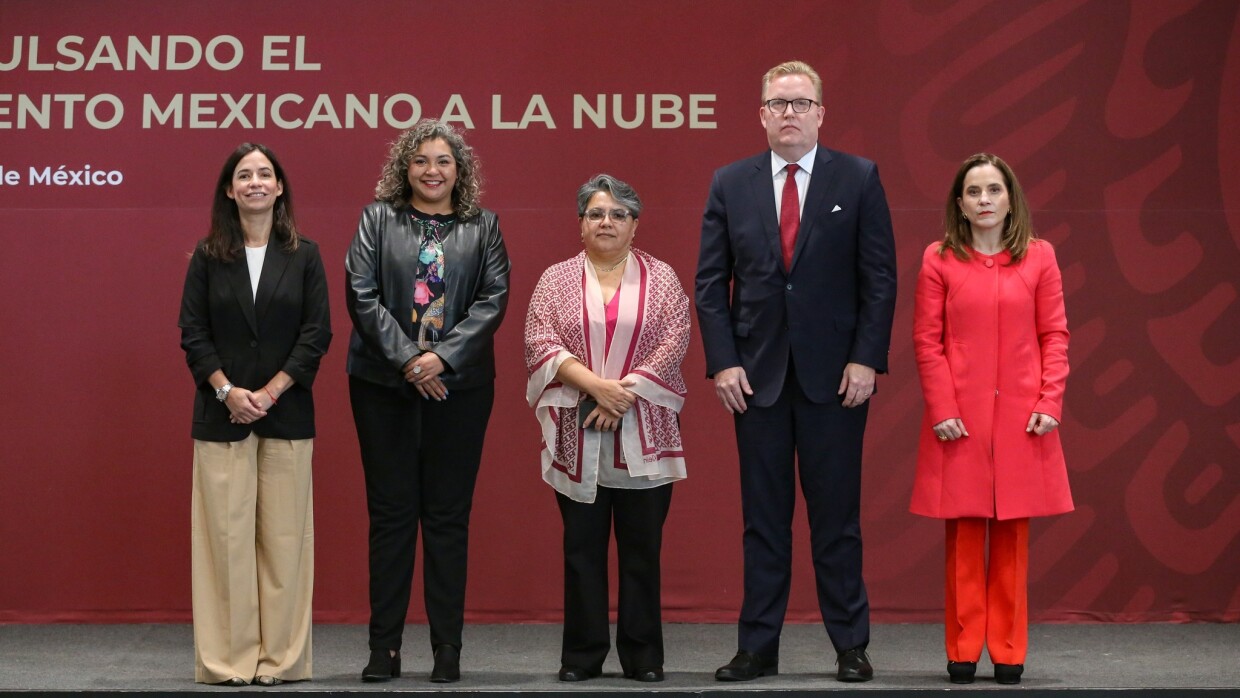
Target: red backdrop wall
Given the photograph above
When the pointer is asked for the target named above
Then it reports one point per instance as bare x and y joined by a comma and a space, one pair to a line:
1121, 120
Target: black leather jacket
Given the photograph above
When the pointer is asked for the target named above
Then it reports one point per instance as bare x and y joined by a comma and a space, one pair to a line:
380, 271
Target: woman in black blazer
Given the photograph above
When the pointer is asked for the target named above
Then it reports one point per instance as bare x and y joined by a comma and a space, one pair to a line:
427, 287
254, 325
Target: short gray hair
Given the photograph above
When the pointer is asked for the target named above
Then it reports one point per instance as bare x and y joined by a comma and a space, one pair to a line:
620, 191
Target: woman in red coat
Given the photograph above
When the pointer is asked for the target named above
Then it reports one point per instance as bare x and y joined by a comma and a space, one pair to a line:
991, 339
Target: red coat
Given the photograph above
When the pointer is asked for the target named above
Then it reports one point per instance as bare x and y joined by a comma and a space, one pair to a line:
992, 348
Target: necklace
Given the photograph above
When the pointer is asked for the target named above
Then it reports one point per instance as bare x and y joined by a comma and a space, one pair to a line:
604, 270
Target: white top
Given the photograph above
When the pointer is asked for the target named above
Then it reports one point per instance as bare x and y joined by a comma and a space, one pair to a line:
779, 174
254, 257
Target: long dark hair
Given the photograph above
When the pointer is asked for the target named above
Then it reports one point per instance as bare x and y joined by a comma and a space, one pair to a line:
225, 239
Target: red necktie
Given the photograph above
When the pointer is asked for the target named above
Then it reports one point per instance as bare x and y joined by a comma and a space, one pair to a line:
789, 216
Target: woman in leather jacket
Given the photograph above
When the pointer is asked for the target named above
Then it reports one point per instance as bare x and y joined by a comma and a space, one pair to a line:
427, 286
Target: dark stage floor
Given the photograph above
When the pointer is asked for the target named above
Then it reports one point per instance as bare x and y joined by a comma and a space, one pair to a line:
524, 658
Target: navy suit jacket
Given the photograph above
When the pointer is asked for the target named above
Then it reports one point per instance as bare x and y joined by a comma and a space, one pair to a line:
836, 303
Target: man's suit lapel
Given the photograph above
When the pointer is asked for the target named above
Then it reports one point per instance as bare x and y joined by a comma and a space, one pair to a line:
239, 280
274, 264
815, 198
764, 194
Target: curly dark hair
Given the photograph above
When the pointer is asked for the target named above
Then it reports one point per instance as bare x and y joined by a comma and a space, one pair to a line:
225, 239
393, 186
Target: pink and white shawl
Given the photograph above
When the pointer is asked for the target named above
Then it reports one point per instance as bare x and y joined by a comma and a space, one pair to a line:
567, 319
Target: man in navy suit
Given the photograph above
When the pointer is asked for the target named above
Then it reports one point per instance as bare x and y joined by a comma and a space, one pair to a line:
796, 289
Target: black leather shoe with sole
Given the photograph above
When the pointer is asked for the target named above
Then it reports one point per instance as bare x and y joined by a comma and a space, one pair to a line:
575, 673
746, 666
646, 675
854, 666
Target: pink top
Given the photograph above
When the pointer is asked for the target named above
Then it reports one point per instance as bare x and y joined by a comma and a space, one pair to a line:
613, 313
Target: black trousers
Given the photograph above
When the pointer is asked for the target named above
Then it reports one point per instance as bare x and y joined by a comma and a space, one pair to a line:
421, 461
639, 517
821, 442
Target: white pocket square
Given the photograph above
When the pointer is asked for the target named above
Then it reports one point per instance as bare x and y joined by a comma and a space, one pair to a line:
837, 208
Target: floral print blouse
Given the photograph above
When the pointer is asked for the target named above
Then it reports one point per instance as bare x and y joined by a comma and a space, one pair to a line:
429, 287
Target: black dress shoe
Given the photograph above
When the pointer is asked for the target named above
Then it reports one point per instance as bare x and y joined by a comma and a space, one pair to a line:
647, 675
961, 672
854, 666
1008, 673
746, 666
383, 666
447, 665
576, 673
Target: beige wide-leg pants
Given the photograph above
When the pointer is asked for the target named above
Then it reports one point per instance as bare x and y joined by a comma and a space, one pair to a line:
253, 559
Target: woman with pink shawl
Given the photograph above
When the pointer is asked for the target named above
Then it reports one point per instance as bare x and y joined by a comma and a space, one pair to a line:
604, 339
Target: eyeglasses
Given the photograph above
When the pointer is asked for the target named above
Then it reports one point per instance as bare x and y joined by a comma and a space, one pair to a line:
779, 106
617, 215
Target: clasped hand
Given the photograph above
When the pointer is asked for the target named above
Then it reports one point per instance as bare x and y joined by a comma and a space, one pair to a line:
246, 407
614, 399
424, 371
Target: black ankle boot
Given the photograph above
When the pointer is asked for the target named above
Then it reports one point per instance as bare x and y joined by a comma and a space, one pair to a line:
383, 666
961, 672
1008, 673
447, 665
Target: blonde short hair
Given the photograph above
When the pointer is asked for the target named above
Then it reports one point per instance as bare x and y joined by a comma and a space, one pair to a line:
793, 68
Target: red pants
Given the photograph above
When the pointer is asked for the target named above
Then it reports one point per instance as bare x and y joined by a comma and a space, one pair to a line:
987, 603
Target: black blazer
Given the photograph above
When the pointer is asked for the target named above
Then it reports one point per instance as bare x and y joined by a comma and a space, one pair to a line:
286, 328
834, 306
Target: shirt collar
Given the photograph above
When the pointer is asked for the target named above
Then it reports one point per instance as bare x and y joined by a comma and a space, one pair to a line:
806, 162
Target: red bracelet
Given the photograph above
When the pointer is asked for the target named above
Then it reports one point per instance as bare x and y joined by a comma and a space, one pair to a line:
274, 401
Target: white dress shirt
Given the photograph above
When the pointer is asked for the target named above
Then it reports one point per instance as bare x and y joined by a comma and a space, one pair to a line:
779, 174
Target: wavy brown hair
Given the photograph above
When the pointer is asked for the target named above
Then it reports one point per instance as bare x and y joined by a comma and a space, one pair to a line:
393, 186
225, 239
1017, 229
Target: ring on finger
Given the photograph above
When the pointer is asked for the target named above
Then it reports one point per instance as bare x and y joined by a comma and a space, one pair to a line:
942, 438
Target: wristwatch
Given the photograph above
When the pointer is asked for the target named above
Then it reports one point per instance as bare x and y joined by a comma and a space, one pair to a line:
222, 393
